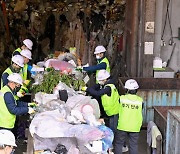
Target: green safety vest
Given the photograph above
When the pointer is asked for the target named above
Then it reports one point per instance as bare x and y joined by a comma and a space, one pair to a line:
111, 103
24, 72
9, 71
104, 60
7, 120
130, 113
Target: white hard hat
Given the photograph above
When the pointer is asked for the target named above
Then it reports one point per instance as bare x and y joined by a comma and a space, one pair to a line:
131, 84
102, 75
99, 49
19, 60
15, 77
26, 53
28, 43
7, 138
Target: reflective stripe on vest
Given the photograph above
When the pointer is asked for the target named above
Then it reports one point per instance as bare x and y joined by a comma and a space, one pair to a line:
7, 120
104, 60
130, 113
8, 71
111, 103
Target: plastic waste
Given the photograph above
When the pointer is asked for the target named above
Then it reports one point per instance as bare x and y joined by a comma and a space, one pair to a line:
78, 115
73, 150
59, 65
63, 86
52, 124
77, 102
38, 78
91, 120
48, 102
95, 146
108, 137
72, 62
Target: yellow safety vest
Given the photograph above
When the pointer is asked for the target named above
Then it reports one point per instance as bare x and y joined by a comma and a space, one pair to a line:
24, 72
104, 60
9, 71
7, 120
18, 49
111, 103
130, 113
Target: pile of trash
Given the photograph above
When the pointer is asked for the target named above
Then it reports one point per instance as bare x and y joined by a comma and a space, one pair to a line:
65, 119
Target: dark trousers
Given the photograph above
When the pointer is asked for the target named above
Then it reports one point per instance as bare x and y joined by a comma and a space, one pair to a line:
120, 137
113, 122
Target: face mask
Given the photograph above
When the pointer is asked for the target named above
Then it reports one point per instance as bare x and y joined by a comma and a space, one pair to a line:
17, 70
98, 57
17, 89
12, 152
101, 82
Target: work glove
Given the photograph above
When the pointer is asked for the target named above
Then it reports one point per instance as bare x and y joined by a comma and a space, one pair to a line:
84, 88
31, 110
20, 94
87, 65
24, 89
26, 82
32, 104
79, 68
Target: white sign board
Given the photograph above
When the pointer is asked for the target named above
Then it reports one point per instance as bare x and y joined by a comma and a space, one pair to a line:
149, 27
148, 48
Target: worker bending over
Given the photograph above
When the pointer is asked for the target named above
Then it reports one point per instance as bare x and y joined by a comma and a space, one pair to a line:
7, 142
130, 118
10, 108
102, 64
109, 98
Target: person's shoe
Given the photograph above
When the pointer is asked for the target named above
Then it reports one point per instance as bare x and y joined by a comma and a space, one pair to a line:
125, 148
110, 151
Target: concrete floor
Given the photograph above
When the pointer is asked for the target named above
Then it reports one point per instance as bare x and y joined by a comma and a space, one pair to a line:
21, 149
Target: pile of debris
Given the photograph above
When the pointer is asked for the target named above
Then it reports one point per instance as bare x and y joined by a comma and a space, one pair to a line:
77, 127
57, 26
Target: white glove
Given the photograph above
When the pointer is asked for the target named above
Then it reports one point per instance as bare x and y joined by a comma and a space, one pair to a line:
79, 67
87, 65
31, 110
19, 94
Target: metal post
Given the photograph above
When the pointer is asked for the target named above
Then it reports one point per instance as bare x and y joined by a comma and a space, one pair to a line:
158, 28
140, 38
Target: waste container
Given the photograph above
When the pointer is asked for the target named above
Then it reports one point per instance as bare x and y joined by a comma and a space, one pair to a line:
160, 119
173, 132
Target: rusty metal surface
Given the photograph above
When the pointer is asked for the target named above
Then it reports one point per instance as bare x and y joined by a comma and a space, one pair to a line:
130, 34
157, 83
173, 132
163, 110
160, 119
